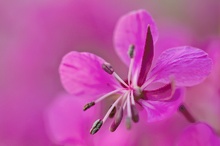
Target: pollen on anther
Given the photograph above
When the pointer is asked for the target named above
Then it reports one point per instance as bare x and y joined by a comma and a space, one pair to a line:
88, 105
131, 51
112, 114
117, 121
128, 122
134, 112
96, 126
108, 68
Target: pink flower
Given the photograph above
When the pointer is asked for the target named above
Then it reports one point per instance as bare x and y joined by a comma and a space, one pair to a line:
82, 74
198, 134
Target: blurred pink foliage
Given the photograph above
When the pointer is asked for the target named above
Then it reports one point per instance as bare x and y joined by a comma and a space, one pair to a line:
198, 134
34, 36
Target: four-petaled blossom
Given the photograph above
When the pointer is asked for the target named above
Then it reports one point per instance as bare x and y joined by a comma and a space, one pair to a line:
84, 74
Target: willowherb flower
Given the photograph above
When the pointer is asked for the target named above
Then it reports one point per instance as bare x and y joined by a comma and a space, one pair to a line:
88, 76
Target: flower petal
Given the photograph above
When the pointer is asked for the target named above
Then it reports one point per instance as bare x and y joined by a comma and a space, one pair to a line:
199, 134
82, 75
147, 58
187, 65
66, 122
159, 110
162, 94
131, 29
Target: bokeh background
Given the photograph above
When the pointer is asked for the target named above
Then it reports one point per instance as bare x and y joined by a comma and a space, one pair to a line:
36, 34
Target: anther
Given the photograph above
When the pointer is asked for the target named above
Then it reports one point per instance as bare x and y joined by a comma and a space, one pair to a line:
96, 126
134, 112
131, 51
117, 121
131, 54
119, 116
108, 68
113, 126
88, 105
112, 114
128, 122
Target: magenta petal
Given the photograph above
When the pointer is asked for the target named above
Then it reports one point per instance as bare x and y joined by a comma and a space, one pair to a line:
187, 65
83, 76
147, 58
199, 134
66, 121
162, 93
159, 110
132, 29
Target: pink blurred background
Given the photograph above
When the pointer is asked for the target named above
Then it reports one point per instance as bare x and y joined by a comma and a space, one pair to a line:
36, 34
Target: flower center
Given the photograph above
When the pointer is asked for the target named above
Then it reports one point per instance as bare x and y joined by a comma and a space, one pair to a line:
127, 93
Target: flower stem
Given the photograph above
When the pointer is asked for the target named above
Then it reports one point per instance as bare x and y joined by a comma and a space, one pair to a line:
186, 113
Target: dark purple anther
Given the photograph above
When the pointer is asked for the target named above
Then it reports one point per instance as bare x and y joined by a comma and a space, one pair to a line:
108, 68
128, 123
131, 51
88, 105
117, 121
112, 114
134, 112
96, 126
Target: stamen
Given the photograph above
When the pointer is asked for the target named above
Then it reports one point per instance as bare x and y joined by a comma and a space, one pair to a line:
96, 126
117, 121
128, 122
120, 80
112, 114
124, 105
111, 108
135, 115
132, 98
131, 51
124, 101
108, 68
131, 55
88, 105
128, 119
108, 94
134, 111
128, 106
